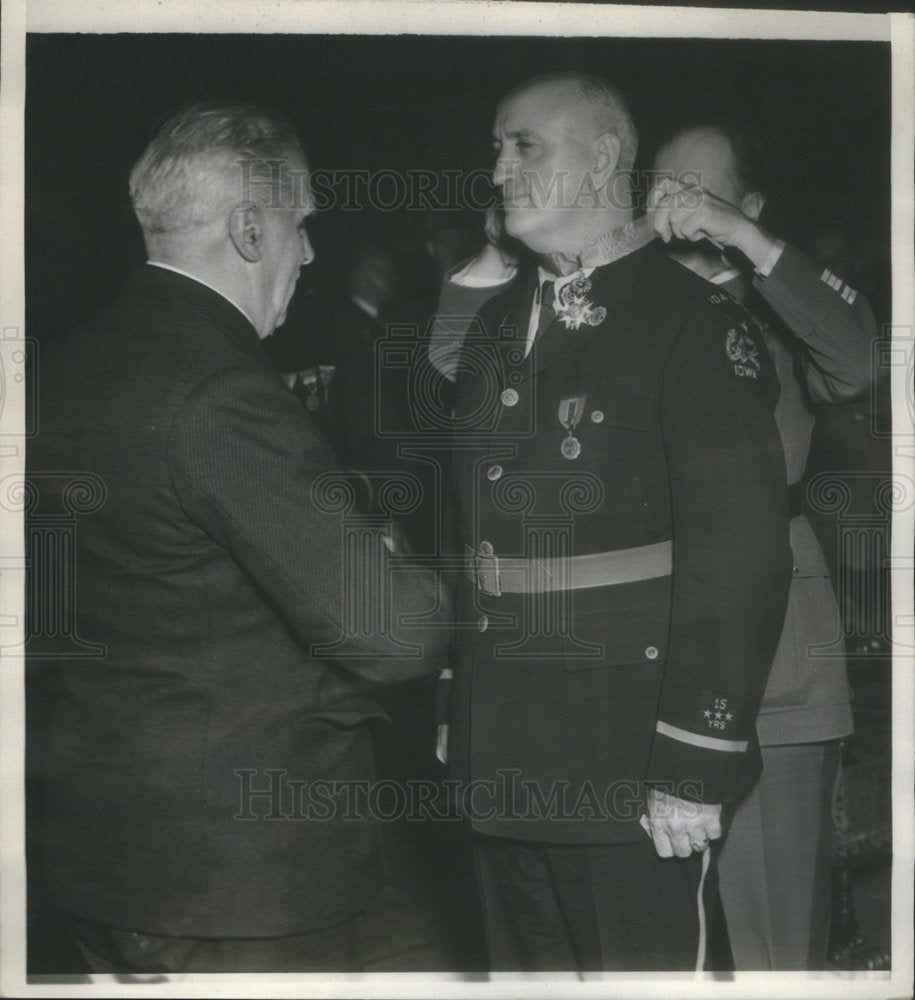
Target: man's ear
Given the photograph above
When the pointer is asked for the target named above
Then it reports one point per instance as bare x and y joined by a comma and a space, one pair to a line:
246, 231
752, 204
607, 148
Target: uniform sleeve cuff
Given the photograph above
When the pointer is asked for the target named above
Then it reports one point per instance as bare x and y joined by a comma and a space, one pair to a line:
767, 266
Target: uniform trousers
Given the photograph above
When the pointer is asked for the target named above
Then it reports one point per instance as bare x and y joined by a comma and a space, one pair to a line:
774, 868
552, 907
111, 950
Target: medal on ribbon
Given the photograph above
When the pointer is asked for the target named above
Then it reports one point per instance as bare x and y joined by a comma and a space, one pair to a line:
310, 381
574, 306
571, 411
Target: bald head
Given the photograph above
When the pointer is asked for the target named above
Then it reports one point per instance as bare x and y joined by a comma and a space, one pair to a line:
565, 144
593, 103
727, 160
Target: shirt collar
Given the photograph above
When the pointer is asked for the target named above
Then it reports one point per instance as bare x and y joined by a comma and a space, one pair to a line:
561, 280
725, 276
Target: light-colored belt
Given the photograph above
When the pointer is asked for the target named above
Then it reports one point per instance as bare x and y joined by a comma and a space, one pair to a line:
495, 575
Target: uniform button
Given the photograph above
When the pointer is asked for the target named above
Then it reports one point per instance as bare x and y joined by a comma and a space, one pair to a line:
795, 569
651, 652
493, 472
485, 548
483, 623
510, 397
597, 416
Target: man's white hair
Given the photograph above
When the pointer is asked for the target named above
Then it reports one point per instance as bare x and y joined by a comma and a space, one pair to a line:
206, 158
606, 105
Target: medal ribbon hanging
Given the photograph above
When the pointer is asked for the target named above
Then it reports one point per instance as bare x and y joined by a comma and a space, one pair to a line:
617, 243
575, 309
571, 411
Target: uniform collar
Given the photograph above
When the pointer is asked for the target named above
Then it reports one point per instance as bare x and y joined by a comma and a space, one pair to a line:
613, 287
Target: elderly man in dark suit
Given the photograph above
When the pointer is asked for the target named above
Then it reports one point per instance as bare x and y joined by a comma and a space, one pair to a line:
621, 494
198, 773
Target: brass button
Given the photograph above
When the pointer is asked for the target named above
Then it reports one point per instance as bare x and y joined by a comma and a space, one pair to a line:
485, 548
510, 397
597, 416
651, 652
483, 623
493, 472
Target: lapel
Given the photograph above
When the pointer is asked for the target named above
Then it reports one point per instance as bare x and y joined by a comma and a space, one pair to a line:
613, 287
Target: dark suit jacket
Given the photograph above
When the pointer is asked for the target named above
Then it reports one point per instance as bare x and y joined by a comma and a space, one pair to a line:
209, 573
589, 693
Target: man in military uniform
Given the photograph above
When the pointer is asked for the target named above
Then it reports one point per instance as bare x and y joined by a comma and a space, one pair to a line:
621, 496
774, 868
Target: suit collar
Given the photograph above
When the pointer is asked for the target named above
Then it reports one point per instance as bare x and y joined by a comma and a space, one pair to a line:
200, 298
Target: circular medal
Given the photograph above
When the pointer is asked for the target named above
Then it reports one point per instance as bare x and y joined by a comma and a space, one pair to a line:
313, 402
571, 447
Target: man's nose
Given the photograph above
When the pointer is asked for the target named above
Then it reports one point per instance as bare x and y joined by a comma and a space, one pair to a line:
503, 169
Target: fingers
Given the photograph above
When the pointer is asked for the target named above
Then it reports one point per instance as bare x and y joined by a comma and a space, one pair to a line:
659, 837
689, 212
672, 203
672, 839
681, 843
713, 827
679, 827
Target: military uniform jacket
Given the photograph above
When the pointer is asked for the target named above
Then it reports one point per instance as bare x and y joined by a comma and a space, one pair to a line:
212, 577
819, 333
565, 704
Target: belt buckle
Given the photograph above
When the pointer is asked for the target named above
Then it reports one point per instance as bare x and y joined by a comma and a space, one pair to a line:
486, 570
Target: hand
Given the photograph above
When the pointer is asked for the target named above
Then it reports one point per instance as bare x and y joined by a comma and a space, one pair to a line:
690, 212
678, 826
494, 262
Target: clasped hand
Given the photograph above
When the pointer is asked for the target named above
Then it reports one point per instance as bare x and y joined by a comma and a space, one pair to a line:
680, 827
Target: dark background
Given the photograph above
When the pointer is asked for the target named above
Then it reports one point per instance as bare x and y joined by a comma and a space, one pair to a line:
821, 109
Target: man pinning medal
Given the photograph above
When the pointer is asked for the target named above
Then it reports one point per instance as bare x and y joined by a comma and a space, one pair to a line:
620, 490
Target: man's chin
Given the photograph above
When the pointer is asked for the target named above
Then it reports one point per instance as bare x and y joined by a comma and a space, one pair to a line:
521, 222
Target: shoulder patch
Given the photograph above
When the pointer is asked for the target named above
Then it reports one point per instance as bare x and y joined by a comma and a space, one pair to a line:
742, 351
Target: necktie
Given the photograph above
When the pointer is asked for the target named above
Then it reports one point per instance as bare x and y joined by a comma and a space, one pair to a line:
547, 310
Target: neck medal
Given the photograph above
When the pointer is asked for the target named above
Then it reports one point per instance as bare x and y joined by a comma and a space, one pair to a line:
574, 306
570, 413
